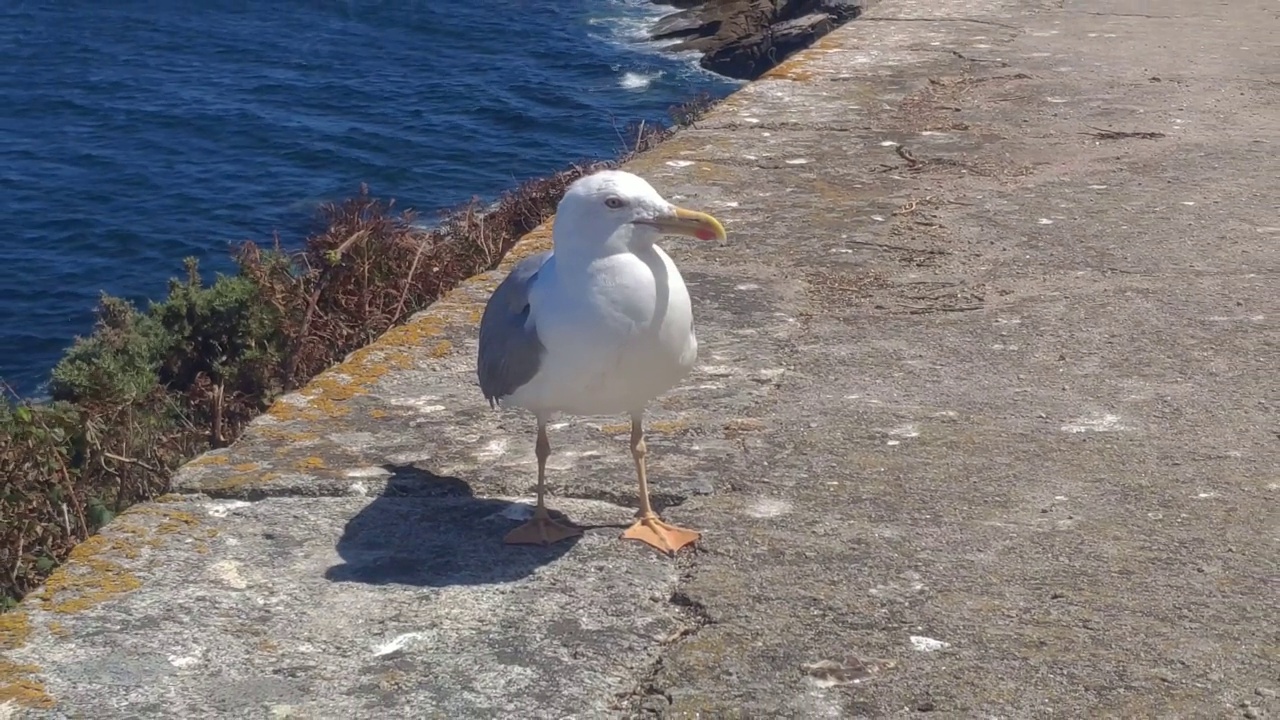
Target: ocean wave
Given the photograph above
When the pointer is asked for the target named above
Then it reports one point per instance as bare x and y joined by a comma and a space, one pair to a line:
638, 81
628, 23
123, 138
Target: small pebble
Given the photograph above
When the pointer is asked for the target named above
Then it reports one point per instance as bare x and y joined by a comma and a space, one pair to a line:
1251, 713
1265, 692
699, 486
924, 706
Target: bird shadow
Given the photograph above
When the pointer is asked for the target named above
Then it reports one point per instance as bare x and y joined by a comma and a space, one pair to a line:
430, 530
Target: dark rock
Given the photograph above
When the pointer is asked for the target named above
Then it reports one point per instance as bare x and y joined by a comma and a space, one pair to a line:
699, 486
684, 23
745, 38
753, 55
679, 3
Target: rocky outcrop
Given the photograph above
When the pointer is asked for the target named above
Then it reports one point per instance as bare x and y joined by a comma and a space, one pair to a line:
744, 38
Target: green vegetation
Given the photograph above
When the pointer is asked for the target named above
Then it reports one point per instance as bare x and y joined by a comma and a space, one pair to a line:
151, 388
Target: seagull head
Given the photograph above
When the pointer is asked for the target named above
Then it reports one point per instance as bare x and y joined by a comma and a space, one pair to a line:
612, 211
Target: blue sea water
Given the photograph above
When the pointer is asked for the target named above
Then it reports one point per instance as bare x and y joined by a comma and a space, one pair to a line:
136, 133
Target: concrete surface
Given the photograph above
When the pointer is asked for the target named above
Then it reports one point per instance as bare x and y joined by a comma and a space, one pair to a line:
985, 429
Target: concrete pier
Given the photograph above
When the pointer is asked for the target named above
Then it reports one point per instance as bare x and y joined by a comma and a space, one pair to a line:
985, 426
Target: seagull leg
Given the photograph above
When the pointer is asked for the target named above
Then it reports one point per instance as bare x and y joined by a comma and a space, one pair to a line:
541, 529
650, 529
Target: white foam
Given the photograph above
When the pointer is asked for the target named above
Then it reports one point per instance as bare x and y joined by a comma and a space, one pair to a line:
626, 24
638, 81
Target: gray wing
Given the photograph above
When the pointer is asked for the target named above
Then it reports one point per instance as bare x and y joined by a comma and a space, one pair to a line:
510, 351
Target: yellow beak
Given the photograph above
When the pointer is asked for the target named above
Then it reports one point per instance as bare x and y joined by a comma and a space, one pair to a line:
688, 222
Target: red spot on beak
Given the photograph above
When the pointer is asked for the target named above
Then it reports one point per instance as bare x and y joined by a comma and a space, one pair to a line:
705, 235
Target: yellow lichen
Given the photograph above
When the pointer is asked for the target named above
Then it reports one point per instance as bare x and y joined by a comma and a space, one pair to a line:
327, 394
799, 68
245, 467
400, 360
179, 516
238, 481
310, 463
535, 241
58, 630
789, 72
275, 432
128, 537
667, 426
209, 459
132, 548
15, 628
661, 427
168, 527
377, 414
16, 686
740, 425
87, 578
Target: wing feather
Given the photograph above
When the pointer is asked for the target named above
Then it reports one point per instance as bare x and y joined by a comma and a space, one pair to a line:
510, 351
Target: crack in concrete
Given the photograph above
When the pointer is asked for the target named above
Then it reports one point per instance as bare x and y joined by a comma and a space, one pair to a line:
785, 126
650, 698
660, 500
1139, 15
968, 20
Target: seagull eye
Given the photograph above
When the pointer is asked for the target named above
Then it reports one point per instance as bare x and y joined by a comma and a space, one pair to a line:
614, 203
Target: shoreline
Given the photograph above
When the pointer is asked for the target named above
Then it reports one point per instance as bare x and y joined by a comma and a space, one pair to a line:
223, 412
430, 151
37, 389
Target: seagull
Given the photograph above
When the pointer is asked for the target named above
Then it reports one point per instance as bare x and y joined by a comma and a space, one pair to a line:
600, 324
